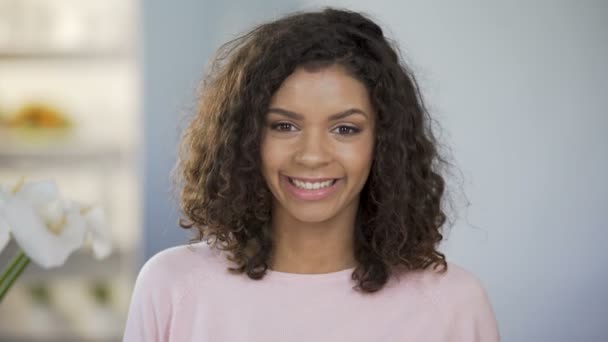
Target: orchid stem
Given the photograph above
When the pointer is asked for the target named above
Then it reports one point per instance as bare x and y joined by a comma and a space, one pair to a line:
12, 272
11, 266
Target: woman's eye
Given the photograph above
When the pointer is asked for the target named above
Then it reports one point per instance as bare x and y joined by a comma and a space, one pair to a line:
346, 130
283, 127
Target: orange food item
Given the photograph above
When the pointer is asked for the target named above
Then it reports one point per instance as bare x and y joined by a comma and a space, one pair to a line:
38, 115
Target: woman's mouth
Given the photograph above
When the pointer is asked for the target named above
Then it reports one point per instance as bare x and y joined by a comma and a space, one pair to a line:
308, 185
310, 189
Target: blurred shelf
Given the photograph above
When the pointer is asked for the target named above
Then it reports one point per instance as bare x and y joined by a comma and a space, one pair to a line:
54, 339
69, 153
62, 156
75, 54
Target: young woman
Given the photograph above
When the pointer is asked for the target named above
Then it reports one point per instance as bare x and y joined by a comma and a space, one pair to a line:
312, 179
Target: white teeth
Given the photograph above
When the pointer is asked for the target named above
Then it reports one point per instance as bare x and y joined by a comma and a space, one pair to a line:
311, 186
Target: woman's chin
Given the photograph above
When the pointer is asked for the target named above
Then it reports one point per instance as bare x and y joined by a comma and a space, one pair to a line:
312, 216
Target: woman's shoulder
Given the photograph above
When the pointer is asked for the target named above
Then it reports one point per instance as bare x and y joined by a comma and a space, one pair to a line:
461, 299
453, 298
453, 285
193, 253
458, 280
175, 264
168, 280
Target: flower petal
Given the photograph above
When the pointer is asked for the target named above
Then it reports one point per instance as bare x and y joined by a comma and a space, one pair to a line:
98, 232
39, 193
41, 245
72, 236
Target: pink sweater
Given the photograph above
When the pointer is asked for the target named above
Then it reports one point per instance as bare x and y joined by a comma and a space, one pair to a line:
185, 294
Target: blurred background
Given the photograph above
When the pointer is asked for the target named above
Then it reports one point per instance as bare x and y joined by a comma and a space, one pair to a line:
94, 94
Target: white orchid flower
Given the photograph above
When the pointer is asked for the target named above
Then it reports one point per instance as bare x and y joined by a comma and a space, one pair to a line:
98, 235
47, 228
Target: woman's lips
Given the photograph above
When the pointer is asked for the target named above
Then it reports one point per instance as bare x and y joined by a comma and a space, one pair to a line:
310, 194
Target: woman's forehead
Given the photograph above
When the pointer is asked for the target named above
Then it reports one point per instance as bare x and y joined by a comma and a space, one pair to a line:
329, 90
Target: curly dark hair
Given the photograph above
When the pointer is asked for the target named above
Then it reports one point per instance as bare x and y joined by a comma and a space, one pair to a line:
223, 194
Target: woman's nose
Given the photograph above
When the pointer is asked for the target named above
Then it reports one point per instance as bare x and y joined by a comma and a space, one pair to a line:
312, 150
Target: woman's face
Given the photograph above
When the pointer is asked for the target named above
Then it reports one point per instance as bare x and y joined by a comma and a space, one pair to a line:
317, 144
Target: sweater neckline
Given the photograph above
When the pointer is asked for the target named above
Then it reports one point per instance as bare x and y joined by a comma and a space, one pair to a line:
341, 274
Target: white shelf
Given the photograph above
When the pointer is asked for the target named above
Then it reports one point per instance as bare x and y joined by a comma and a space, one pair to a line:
11, 157
61, 151
62, 55
68, 338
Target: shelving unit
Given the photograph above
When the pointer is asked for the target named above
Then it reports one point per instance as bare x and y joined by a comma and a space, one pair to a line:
73, 154
49, 55
95, 81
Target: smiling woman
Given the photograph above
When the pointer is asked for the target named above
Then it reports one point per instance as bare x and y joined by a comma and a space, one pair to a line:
312, 179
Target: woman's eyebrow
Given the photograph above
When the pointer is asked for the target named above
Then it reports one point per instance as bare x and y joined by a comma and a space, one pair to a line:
287, 113
333, 117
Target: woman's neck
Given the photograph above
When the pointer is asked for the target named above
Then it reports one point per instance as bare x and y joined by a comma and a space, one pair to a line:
318, 247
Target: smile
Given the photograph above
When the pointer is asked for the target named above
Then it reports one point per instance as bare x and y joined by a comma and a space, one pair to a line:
308, 185
310, 189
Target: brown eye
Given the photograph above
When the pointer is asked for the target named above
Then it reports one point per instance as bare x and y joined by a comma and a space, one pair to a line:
346, 130
283, 127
